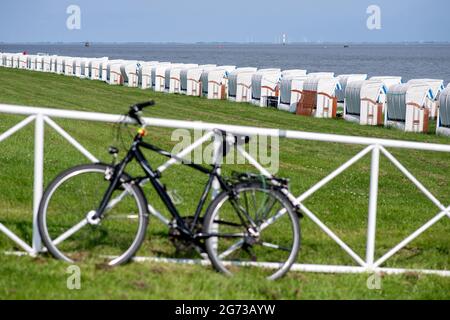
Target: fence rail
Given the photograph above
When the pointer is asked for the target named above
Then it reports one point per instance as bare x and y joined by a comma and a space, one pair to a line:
377, 148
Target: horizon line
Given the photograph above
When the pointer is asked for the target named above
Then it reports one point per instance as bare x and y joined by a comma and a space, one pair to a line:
226, 42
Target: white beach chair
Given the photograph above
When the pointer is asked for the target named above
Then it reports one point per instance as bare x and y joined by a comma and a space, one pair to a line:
114, 72
47, 63
235, 84
319, 97
145, 74
9, 60
406, 107
2, 59
16, 60
344, 80
23, 61
185, 76
218, 82
175, 77
265, 85
362, 102
443, 121
69, 66
96, 68
291, 89
388, 82
194, 79
31, 62
162, 76
244, 86
60, 64
80, 67
432, 102
40, 62
130, 73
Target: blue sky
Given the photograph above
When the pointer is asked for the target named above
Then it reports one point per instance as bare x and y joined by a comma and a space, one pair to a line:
229, 20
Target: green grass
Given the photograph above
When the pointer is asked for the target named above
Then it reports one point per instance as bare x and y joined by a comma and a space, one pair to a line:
342, 204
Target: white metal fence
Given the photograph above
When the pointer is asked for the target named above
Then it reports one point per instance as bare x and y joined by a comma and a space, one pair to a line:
376, 147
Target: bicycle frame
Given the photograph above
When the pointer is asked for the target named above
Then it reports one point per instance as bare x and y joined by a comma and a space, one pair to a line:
152, 176
135, 153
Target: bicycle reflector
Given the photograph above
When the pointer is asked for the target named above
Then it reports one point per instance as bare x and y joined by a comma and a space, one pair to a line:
142, 132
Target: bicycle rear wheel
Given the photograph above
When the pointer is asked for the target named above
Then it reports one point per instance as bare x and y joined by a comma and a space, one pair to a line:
72, 197
234, 244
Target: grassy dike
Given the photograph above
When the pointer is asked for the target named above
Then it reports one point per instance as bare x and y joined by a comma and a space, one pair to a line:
342, 204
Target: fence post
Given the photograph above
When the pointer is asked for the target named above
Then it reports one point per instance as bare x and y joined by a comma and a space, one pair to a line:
216, 189
38, 178
217, 158
373, 202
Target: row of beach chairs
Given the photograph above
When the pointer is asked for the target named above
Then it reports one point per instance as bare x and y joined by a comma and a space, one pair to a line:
371, 101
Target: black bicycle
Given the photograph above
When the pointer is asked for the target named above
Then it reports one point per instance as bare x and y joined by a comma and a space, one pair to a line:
99, 212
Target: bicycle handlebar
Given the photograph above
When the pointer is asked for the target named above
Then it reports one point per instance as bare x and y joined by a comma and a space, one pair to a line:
138, 107
145, 104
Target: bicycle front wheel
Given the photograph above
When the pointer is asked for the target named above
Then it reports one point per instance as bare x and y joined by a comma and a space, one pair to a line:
69, 234
256, 227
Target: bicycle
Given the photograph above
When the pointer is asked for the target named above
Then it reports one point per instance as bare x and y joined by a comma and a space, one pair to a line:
99, 211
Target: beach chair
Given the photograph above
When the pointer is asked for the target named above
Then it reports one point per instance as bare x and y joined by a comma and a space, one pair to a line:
23, 61
319, 98
388, 82
432, 101
130, 73
96, 67
265, 86
234, 80
406, 107
69, 66
190, 79
145, 74
240, 84
443, 121
344, 80
362, 102
218, 82
178, 75
47, 63
291, 89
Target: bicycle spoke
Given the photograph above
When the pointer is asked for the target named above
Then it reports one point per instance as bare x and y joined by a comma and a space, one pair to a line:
231, 249
246, 201
226, 235
239, 209
272, 220
70, 232
255, 206
123, 217
226, 223
274, 246
113, 202
268, 209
